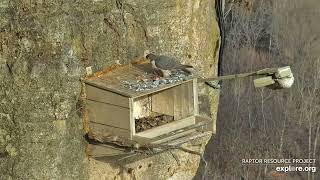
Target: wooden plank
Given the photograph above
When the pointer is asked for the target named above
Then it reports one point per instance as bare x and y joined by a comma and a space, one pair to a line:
183, 99
175, 136
141, 140
200, 123
166, 128
195, 96
101, 150
107, 114
101, 95
142, 107
208, 122
179, 102
131, 118
162, 102
202, 119
191, 99
189, 138
100, 84
188, 96
105, 130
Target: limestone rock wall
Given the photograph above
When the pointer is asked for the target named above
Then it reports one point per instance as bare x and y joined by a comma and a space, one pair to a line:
45, 46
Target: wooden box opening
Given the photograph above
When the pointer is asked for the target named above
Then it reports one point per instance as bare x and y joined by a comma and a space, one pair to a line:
154, 114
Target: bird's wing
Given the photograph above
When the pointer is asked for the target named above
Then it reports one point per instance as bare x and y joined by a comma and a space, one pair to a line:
166, 63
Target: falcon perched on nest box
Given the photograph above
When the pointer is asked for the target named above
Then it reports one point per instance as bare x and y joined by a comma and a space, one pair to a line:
166, 64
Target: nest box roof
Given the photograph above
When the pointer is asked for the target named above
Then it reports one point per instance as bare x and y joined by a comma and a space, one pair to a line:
113, 79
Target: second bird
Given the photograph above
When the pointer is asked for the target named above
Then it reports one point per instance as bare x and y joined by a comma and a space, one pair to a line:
167, 64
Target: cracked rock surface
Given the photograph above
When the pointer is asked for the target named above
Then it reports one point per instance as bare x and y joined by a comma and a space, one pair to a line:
44, 49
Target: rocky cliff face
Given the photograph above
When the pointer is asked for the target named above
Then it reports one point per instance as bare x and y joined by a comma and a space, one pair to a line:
44, 49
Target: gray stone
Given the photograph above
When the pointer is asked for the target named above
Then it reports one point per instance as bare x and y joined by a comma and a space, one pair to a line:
44, 49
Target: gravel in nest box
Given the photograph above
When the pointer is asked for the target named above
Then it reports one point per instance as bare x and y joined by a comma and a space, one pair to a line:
149, 122
148, 84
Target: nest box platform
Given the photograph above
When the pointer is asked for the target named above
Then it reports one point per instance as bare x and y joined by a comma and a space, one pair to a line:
160, 114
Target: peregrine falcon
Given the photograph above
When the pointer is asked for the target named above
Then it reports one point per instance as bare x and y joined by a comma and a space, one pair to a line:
166, 64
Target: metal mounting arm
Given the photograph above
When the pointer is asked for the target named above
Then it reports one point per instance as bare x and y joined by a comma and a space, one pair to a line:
266, 77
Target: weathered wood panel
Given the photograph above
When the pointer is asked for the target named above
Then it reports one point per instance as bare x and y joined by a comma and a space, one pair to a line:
207, 122
175, 136
201, 123
105, 130
157, 131
107, 114
100, 84
179, 102
101, 150
141, 107
183, 101
163, 102
101, 95
132, 121
191, 94
195, 97
188, 96
189, 138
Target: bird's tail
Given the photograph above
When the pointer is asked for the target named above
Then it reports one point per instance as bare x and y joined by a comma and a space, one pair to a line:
184, 68
186, 71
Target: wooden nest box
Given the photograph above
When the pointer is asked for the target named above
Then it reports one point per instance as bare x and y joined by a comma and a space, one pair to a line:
161, 114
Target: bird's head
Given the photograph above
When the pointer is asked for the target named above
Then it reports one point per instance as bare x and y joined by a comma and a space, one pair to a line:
151, 57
